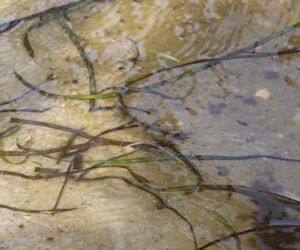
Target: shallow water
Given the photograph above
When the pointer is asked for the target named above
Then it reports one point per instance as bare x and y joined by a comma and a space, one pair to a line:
239, 107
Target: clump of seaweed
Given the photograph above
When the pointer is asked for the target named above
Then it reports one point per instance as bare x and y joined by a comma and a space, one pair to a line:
161, 149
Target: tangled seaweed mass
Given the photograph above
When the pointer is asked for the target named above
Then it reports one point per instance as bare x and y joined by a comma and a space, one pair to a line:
161, 150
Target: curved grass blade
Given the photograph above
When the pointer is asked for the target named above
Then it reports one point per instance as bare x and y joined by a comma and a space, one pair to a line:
137, 57
234, 53
251, 55
140, 179
91, 97
155, 145
283, 198
88, 170
37, 25
250, 230
66, 8
65, 97
60, 12
49, 78
81, 147
219, 218
8, 132
32, 151
192, 157
8, 161
177, 156
244, 157
73, 37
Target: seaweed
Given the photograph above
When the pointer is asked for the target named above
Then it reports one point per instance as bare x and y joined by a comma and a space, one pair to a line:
121, 91
66, 8
113, 107
250, 230
84, 56
36, 211
160, 150
8, 132
68, 143
24, 110
50, 77
212, 63
219, 218
193, 157
205, 60
67, 175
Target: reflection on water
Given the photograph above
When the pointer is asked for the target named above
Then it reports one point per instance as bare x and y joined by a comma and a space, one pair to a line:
243, 106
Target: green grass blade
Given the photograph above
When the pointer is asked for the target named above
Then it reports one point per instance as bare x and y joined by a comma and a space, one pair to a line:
156, 52
219, 218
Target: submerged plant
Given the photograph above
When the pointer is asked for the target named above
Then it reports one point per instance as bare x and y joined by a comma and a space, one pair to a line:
160, 150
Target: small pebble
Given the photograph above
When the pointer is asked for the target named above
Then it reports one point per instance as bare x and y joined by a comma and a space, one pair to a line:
296, 119
263, 93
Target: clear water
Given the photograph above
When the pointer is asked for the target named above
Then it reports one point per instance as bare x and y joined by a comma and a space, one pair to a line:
239, 107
